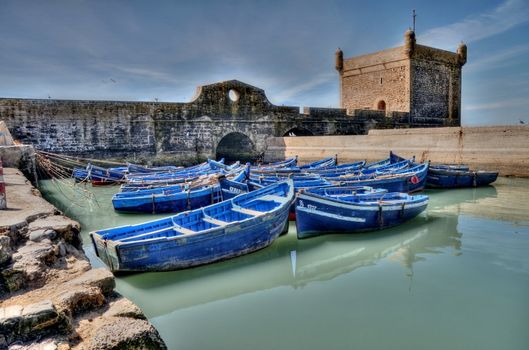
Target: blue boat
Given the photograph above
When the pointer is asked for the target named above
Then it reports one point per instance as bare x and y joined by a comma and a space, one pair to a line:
136, 168
287, 163
320, 164
460, 167
448, 178
172, 199
235, 227
100, 176
81, 174
320, 211
232, 188
406, 180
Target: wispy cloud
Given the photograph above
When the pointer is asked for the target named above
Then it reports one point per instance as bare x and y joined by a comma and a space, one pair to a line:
307, 85
507, 15
504, 103
498, 59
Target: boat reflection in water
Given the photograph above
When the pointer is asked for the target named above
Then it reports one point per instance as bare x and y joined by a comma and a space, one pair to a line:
291, 262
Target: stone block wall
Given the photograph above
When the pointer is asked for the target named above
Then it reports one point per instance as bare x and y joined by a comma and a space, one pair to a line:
435, 84
502, 148
382, 76
168, 132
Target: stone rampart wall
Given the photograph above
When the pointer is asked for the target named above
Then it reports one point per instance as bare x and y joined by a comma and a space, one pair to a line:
503, 148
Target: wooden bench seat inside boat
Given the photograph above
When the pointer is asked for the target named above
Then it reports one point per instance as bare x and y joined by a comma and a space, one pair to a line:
271, 197
183, 230
247, 211
215, 221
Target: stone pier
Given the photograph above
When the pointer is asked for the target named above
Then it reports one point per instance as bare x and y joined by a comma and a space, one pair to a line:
50, 296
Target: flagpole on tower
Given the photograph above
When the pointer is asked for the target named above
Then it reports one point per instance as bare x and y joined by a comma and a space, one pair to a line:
414, 15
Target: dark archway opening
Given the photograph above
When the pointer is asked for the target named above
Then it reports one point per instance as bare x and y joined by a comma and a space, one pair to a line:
236, 146
381, 105
298, 132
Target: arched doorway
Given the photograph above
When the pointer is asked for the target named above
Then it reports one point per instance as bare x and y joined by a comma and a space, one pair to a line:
381, 106
236, 146
298, 132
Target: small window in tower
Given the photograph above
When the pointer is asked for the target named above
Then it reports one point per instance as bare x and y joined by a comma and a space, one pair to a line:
381, 106
380, 81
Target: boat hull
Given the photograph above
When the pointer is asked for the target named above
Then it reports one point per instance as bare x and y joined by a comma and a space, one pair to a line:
459, 179
317, 216
167, 203
169, 246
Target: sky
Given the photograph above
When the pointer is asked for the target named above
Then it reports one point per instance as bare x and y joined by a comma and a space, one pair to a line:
162, 50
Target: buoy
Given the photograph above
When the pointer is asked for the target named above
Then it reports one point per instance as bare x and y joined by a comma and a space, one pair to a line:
414, 179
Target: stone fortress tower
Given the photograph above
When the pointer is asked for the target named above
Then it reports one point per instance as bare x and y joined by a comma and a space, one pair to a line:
421, 81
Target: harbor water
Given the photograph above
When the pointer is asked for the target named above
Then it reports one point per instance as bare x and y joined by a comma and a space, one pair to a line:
455, 277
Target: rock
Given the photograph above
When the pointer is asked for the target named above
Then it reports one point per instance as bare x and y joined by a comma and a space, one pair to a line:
48, 344
10, 317
33, 321
32, 259
101, 278
123, 307
62, 249
11, 280
40, 234
63, 226
125, 333
5, 250
78, 299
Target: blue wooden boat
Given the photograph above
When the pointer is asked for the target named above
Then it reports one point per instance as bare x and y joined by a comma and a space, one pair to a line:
383, 169
172, 199
287, 163
448, 178
231, 188
407, 180
319, 211
320, 164
235, 227
100, 176
378, 164
460, 167
168, 201
81, 174
136, 168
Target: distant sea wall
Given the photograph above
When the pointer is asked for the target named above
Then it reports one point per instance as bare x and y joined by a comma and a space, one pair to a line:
503, 148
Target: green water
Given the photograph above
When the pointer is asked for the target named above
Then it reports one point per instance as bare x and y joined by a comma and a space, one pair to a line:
456, 277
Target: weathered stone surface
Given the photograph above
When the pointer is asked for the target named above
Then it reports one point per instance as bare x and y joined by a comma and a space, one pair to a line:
32, 321
79, 298
40, 234
64, 227
61, 298
126, 333
123, 307
5, 249
100, 278
181, 132
25, 206
33, 257
48, 344
466, 145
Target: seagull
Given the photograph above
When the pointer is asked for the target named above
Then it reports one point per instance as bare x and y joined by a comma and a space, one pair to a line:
522, 122
112, 80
